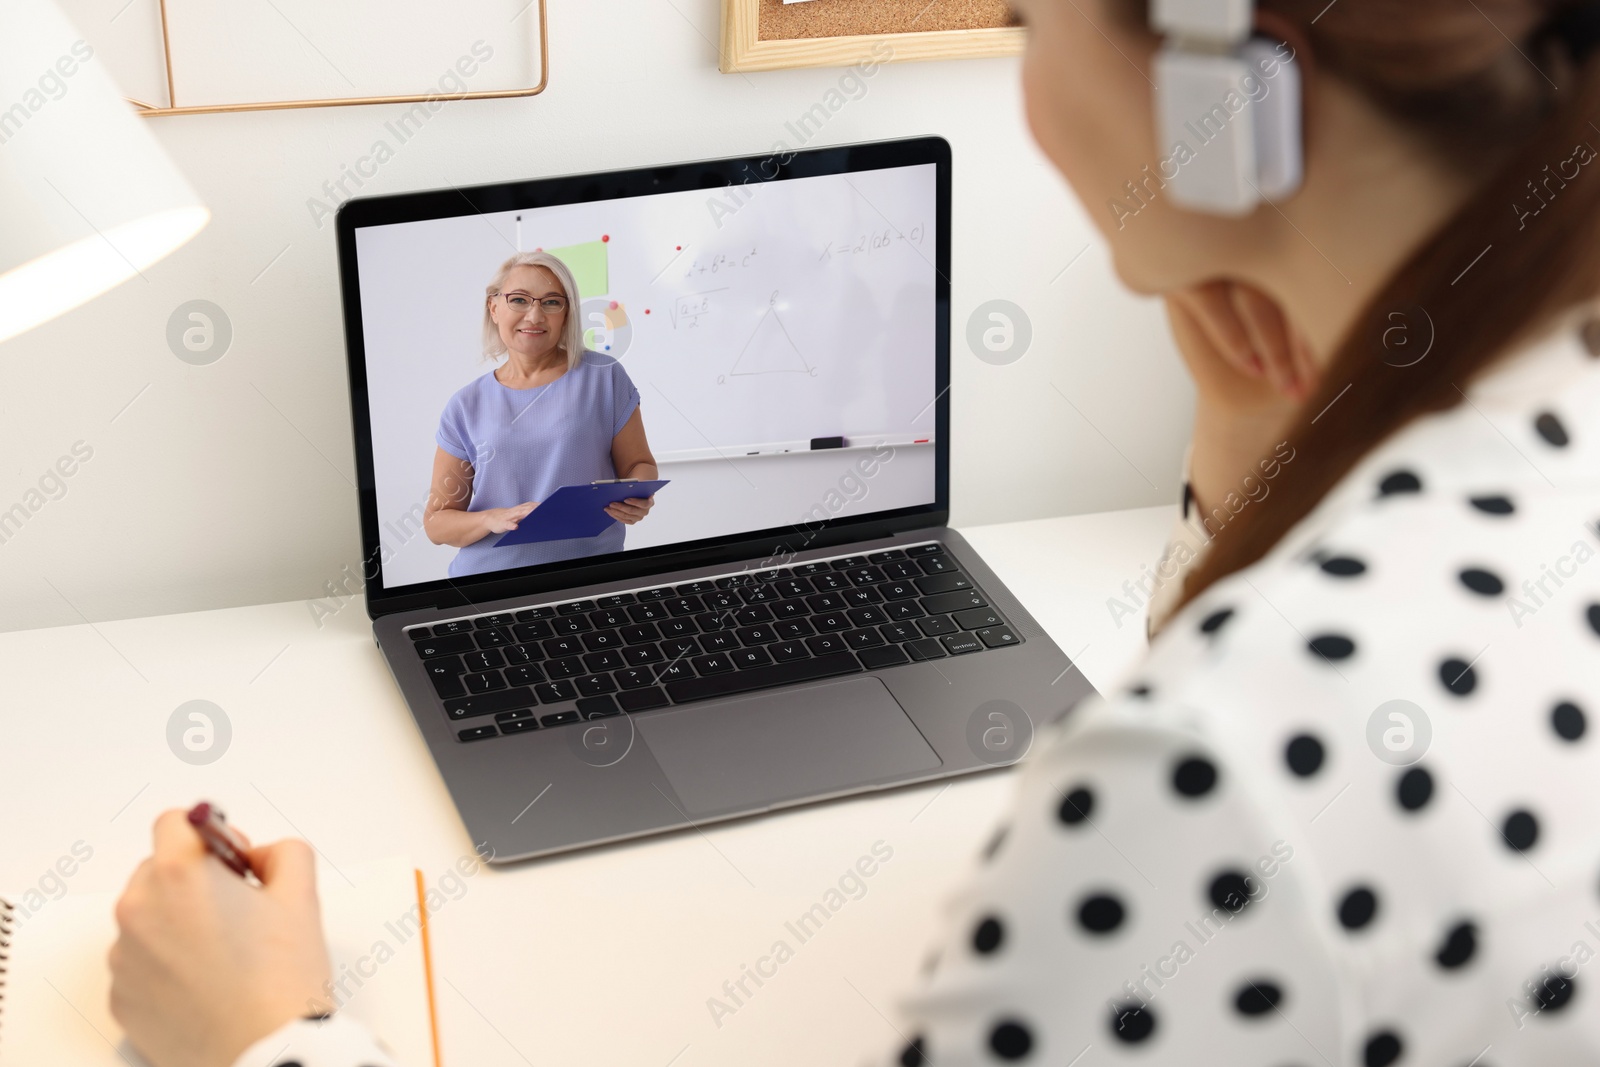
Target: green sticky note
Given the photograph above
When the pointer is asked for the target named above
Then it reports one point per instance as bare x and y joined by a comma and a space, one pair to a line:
587, 262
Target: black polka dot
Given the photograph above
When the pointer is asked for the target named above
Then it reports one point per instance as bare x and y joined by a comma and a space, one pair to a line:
1304, 755
1343, 566
1230, 890
1141, 690
1399, 482
993, 847
1482, 582
1382, 1049
1551, 429
1076, 806
987, 936
1520, 830
1458, 946
1100, 913
1010, 1040
1215, 621
1194, 776
1593, 614
1258, 997
1132, 1022
1555, 992
1494, 505
914, 1054
1458, 676
1568, 721
1332, 646
1358, 908
1415, 789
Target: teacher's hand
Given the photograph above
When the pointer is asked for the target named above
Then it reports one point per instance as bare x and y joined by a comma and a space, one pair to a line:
206, 963
500, 520
631, 510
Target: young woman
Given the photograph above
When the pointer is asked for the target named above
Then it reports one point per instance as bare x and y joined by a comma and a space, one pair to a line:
1344, 812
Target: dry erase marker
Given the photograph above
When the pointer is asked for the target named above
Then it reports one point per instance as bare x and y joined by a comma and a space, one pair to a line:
222, 840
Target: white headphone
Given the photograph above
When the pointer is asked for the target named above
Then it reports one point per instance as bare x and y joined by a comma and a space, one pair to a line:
1232, 100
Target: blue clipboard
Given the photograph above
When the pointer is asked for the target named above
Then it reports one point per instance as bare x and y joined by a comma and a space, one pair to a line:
575, 511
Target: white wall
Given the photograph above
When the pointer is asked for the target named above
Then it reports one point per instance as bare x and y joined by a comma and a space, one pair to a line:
233, 483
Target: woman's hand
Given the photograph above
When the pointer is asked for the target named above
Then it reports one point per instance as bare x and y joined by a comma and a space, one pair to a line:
631, 510
500, 520
206, 963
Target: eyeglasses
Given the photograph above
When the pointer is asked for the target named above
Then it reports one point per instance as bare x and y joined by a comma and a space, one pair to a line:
521, 302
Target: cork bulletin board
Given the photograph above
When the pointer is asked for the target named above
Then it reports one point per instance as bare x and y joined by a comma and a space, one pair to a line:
771, 35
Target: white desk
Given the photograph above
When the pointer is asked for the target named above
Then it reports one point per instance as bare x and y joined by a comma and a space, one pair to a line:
605, 957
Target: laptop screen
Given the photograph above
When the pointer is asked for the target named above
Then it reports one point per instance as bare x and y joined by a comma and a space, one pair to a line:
768, 349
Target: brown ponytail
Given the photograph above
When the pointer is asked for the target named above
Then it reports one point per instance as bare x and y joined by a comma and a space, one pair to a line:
1520, 251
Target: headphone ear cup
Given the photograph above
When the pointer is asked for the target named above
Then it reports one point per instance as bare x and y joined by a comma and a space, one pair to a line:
1229, 125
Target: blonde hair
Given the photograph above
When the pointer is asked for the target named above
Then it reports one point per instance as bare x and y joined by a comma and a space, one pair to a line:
571, 330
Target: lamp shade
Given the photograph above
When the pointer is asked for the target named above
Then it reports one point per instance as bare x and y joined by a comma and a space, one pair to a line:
88, 199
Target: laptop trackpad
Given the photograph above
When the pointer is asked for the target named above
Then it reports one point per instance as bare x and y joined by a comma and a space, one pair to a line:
785, 745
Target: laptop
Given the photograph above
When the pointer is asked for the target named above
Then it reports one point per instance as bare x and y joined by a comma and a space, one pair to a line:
792, 620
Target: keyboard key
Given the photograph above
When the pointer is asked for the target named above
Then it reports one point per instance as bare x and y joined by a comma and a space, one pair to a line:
936, 626
524, 675
608, 619
530, 614
826, 644
714, 620
867, 616
792, 628
639, 633
637, 655
642, 699
483, 681
927, 648
519, 726
978, 618
559, 718
825, 602
960, 643
617, 600
899, 631
445, 674
944, 583
571, 624
834, 620
576, 607
940, 603
859, 639
678, 627
924, 550
865, 575
673, 672
590, 685
790, 609
562, 646
433, 647
746, 658
445, 629
886, 555
723, 642
846, 563
901, 610
752, 616
477, 733
936, 564
857, 598
902, 570
602, 639
720, 663
761, 594
609, 660
800, 670
696, 588
757, 635
997, 636
683, 605
830, 580
515, 716
789, 587
666, 592
771, 574
555, 692
598, 707
633, 678
678, 647
807, 569
532, 631
784, 651
522, 653
489, 703
648, 612
877, 658
901, 590
565, 667
483, 661
722, 601
489, 622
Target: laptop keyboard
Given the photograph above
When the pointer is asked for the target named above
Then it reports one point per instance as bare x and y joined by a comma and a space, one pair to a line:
675, 644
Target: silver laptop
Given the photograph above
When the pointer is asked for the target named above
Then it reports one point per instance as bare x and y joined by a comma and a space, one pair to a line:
792, 620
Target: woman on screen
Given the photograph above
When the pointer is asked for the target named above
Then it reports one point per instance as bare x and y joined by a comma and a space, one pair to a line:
553, 414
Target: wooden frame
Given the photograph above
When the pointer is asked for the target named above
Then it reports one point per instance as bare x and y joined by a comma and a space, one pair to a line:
152, 111
743, 49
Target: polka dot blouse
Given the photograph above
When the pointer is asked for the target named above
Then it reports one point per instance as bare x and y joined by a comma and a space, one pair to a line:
1347, 812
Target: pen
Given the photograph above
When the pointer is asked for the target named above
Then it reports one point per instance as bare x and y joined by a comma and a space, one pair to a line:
222, 840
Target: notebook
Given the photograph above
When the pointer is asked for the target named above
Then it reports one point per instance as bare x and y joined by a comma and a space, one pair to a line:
55, 985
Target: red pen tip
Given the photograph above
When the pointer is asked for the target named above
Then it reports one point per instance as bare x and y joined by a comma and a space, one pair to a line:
199, 813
